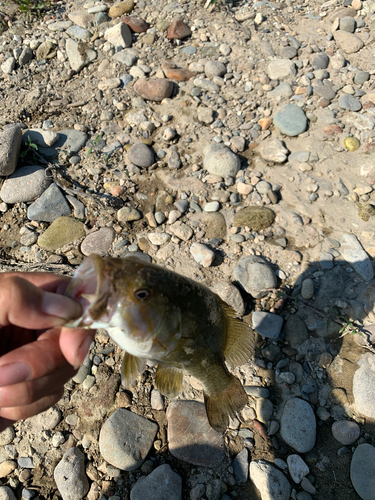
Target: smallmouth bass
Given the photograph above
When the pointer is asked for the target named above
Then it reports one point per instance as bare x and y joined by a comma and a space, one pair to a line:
154, 313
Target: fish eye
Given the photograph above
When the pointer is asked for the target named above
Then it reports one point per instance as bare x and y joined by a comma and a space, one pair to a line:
141, 294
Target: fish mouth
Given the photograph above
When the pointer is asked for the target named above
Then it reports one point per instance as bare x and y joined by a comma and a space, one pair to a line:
91, 288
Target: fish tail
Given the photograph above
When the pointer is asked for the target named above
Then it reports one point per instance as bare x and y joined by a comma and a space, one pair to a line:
224, 404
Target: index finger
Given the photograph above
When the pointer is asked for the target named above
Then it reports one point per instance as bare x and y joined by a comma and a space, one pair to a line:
46, 281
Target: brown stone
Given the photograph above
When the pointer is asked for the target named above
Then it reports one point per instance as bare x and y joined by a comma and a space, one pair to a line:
178, 30
117, 190
121, 8
332, 130
135, 24
368, 105
155, 89
265, 123
323, 103
370, 148
172, 71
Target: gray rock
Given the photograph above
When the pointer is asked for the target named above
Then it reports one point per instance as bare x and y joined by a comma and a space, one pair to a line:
181, 230
255, 276
202, 254
50, 206
69, 140
352, 251
10, 146
127, 214
326, 260
347, 101
281, 69
78, 207
363, 380
282, 90
267, 324
174, 160
297, 468
205, 84
8, 65
346, 431
273, 150
264, 409
127, 57
300, 156
320, 61
241, 466
362, 471
40, 137
347, 23
288, 52
70, 475
231, 295
78, 54
98, 242
220, 160
162, 483
295, 330
270, 482
290, 120
7, 436
141, 155
26, 184
126, 438
26, 462
205, 115
6, 493
25, 56
298, 425
348, 42
78, 33
307, 290
361, 77
324, 90
257, 391
214, 68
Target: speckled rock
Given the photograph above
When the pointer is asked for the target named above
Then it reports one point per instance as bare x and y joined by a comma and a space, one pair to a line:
98, 242
70, 475
25, 184
10, 145
62, 231
162, 483
298, 425
270, 482
362, 471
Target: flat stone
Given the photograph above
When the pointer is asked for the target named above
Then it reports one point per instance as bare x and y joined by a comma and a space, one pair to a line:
359, 121
78, 54
352, 251
190, 436
282, 90
79, 33
205, 84
121, 8
127, 214
25, 56
320, 61
288, 52
135, 24
98, 242
298, 425
205, 115
10, 146
255, 276
71, 140
40, 137
178, 30
78, 207
267, 324
361, 77
81, 18
25, 184
273, 150
362, 471
119, 35
324, 90
364, 377
126, 438
295, 330
297, 468
202, 254
162, 483
348, 42
290, 120
141, 155
240, 466
347, 101
270, 482
346, 432
62, 231
155, 89
214, 68
6, 493
70, 475
50, 206
256, 218
127, 57
281, 69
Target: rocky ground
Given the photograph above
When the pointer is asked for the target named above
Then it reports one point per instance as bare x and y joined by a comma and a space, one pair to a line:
232, 143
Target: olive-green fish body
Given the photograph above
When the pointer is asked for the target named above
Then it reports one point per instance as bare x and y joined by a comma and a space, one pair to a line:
154, 313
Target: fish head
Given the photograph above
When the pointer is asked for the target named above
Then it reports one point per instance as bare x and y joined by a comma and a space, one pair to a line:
125, 297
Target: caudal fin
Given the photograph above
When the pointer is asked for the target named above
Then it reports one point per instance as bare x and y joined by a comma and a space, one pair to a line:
224, 404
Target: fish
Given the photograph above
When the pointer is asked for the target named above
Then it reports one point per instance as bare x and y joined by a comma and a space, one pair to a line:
153, 313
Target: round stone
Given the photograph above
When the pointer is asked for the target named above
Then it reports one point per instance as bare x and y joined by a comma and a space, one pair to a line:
320, 61
270, 482
214, 68
255, 276
98, 242
345, 431
298, 425
290, 120
351, 143
155, 89
349, 103
361, 77
220, 160
141, 155
256, 218
362, 471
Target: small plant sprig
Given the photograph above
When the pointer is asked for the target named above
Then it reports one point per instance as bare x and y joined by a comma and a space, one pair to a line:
93, 144
30, 148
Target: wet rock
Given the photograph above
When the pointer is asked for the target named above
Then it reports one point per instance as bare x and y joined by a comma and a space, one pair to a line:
178, 30
298, 425
220, 160
155, 89
25, 184
62, 231
126, 438
162, 483
70, 475
78, 54
345, 431
362, 471
119, 35
50, 206
255, 276
270, 482
190, 436
141, 155
291, 120
363, 380
352, 251
256, 218
273, 151
121, 8
10, 146
98, 242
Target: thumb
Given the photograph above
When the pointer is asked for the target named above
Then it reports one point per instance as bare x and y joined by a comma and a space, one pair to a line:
27, 306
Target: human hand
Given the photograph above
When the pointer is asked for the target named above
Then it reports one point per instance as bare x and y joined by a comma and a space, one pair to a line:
37, 355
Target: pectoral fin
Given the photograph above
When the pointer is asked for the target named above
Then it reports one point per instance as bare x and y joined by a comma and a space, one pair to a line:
168, 380
130, 369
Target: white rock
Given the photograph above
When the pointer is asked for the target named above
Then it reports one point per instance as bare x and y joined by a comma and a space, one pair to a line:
202, 254
119, 35
297, 468
353, 253
270, 482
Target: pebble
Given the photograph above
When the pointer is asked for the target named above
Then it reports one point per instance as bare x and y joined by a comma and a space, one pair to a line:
256, 218
141, 155
159, 238
162, 483
70, 475
62, 231
127, 214
78, 59
178, 30
291, 120
297, 468
121, 8
25, 184
267, 324
119, 35
26, 462
7, 436
126, 438
6, 493
350, 103
240, 466
70, 140
364, 377
281, 69
345, 431
320, 61
273, 150
264, 409
220, 160
10, 146
190, 436
214, 206
7, 467
255, 276
40, 137
352, 251
307, 289
362, 471
49, 206
298, 425
155, 89
157, 400
135, 24
270, 482
98, 242
181, 230
202, 254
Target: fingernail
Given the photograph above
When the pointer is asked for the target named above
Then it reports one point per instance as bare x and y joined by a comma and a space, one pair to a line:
14, 373
60, 306
82, 352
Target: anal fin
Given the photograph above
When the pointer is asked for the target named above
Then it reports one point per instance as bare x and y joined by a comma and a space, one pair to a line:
224, 404
130, 369
168, 380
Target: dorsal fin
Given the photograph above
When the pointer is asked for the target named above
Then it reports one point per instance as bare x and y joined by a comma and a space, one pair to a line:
130, 369
168, 380
240, 341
